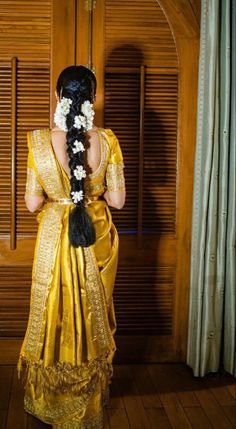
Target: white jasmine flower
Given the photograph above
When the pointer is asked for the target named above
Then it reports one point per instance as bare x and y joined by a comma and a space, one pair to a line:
88, 111
77, 196
85, 120
79, 121
62, 110
78, 147
79, 172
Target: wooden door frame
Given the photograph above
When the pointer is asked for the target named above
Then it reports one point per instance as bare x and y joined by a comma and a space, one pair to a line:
186, 32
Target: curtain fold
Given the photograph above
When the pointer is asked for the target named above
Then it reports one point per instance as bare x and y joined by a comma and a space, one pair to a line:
211, 337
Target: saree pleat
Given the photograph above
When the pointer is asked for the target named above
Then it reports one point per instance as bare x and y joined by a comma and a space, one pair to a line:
69, 345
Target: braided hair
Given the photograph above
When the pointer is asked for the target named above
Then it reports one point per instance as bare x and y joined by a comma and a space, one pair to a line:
78, 83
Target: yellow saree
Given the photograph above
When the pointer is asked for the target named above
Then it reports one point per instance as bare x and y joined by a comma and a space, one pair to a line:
69, 345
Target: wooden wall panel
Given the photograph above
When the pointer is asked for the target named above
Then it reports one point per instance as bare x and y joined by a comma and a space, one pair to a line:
137, 32
25, 30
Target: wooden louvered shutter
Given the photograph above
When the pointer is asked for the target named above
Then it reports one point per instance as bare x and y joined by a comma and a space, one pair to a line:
25, 45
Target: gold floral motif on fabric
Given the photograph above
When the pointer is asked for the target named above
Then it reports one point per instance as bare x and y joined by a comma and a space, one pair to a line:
69, 388
104, 156
45, 162
94, 289
32, 186
93, 422
115, 177
45, 252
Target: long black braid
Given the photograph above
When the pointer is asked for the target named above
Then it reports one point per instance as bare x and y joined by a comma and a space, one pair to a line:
79, 84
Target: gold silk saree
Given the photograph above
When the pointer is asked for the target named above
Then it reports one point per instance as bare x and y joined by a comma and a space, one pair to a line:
69, 345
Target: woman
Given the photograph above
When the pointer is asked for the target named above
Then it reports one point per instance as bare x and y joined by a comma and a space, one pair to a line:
74, 172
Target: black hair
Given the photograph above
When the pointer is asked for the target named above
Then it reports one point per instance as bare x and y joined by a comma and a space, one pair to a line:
79, 84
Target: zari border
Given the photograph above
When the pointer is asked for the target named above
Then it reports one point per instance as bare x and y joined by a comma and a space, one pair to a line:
93, 422
45, 253
44, 161
115, 177
94, 289
64, 390
32, 186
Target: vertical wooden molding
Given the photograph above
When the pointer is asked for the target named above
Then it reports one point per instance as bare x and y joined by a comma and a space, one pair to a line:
13, 152
90, 6
185, 29
141, 142
63, 43
99, 59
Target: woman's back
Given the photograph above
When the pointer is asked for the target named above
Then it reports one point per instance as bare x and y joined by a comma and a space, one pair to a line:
93, 149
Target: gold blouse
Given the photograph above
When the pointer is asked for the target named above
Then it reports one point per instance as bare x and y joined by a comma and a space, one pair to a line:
108, 176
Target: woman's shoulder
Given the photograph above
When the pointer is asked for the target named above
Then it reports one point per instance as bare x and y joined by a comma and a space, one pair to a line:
111, 136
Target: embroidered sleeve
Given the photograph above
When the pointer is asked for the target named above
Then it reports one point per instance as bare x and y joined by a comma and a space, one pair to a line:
115, 180
33, 186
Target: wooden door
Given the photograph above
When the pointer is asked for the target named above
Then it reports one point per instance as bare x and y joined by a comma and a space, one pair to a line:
145, 56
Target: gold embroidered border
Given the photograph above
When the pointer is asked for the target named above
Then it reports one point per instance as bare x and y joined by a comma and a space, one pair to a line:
45, 162
104, 157
97, 300
32, 186
59, 410
115, 177
45, 252
94, 187
65, 389
93, 422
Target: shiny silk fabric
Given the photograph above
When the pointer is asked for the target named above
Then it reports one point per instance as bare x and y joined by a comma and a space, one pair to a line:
69, 344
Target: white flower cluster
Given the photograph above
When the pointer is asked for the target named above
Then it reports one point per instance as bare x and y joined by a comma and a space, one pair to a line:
79, 172
78, 147
85, 120
77, 196
62, 109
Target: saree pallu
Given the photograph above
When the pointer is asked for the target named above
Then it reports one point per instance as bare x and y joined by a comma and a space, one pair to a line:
69, 343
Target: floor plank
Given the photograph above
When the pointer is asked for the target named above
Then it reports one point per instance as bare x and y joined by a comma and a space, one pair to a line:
213, 410
17, 417
158, 418
174, 411
6, 377
223, 396
167, 384
198, 418
115, 400
232, 389
145, 386
132, 401
230, 412
118, 419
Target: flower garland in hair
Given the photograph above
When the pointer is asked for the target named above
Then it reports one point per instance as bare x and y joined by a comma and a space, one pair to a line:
77, 196
62, 110
85, 120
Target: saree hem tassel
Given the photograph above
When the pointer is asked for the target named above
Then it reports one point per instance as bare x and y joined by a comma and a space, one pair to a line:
63, 376
62, 392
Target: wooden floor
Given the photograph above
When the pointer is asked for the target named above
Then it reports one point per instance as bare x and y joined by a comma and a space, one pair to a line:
145, 396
